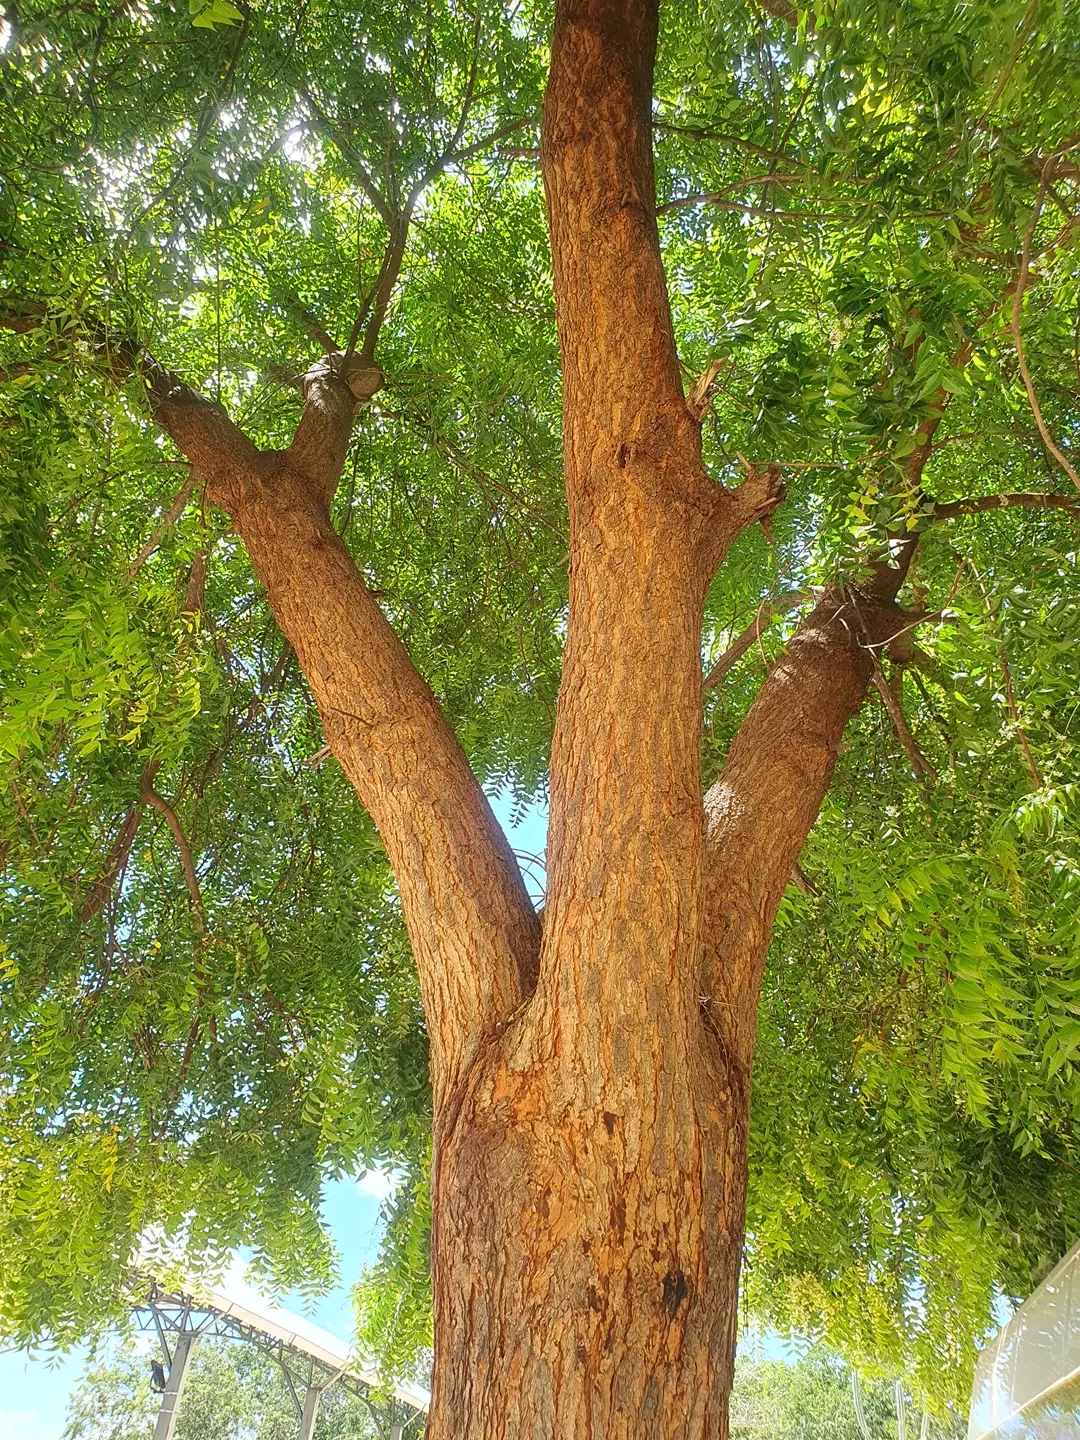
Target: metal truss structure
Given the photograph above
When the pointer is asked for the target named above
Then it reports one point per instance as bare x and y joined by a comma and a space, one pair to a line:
311, 1363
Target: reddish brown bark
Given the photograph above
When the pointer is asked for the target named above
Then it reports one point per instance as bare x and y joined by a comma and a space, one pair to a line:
585, 1258
764, 804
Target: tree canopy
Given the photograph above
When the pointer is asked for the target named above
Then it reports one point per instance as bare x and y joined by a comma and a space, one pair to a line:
869, 220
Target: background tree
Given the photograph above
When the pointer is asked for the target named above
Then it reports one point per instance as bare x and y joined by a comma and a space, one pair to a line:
233, 1392
811, 1399
868, 221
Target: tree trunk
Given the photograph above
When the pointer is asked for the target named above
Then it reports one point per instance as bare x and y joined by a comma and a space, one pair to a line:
588, 1186
590, 1190
587, 1240
591, 1087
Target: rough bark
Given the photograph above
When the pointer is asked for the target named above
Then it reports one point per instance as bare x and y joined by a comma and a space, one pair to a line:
584, 1260
764, 804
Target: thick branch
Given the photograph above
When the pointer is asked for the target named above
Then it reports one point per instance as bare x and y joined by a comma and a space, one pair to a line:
473, 930
951, 509
763, 806
332, 389
647, 528
474, 933
615, 329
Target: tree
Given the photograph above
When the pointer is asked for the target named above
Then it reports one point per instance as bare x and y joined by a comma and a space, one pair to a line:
869, 224
811, 1399
232, 1392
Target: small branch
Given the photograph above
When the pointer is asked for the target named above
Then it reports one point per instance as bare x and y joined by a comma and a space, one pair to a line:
388, 274
152, 798
782, 9
1010, 694
802, 881
704, 387
758, 494
168, 520
478, 146
950, 509
22, 318
316, 330
768, 611
1010, 66
353, 158
1018, 343
195, 589
100, 891
1014, 713
715, 197
701, 132
924, 771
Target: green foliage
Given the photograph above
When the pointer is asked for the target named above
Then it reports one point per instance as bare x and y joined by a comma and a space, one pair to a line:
811, 1399
393, 1298
193, 180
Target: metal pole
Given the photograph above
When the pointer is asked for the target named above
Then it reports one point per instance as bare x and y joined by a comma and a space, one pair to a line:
311, 1410
860, 1417
174, 1386
396, 1426
901, 1410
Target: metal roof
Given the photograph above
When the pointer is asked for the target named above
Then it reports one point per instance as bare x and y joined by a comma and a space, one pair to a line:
1030, 1358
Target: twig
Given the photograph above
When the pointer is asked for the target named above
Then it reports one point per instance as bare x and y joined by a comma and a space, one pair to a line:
768, 611
1018, 343
1010, 695
701, 132
1010, 65
162, 806
715, 196
168, 520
